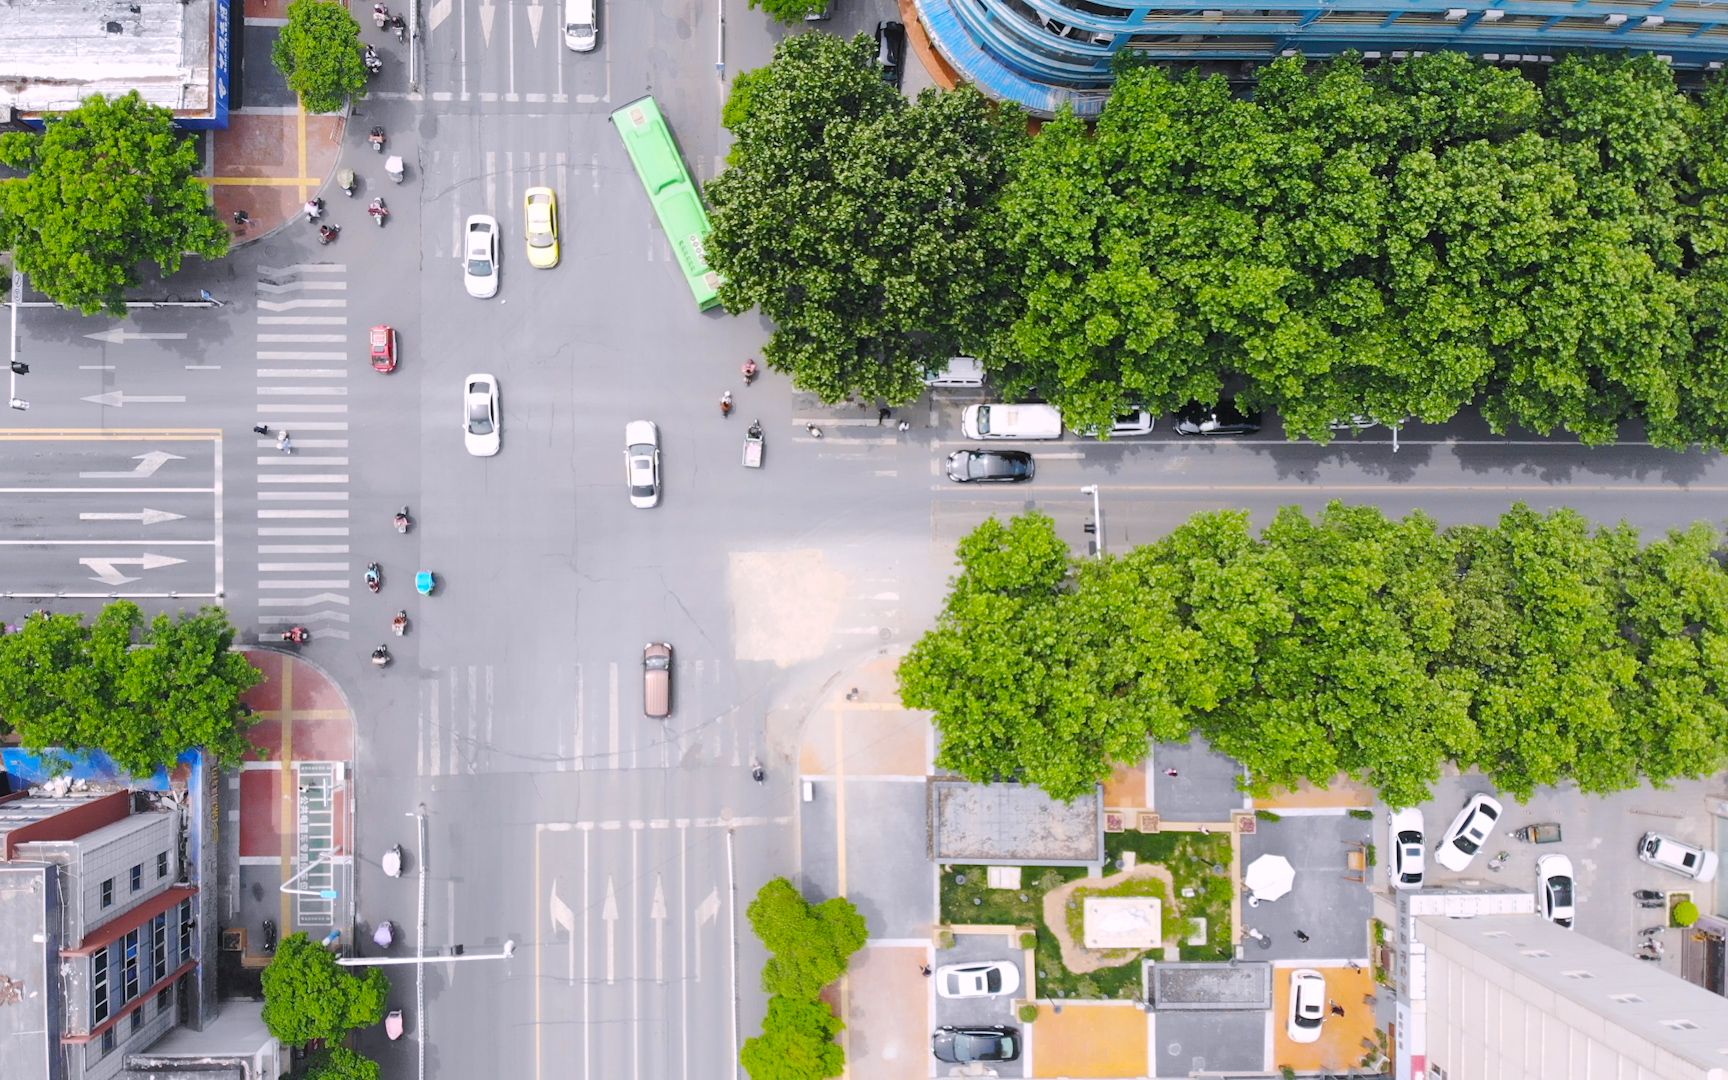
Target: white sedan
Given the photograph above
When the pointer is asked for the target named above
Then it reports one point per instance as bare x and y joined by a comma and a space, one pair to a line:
1468, 832
1404, 843
992, 978
1307, 1005
642, 463
480, 257
1555, 888
480, 415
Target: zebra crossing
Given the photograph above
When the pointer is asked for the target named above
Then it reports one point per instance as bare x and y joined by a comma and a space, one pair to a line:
303, 572
601, 726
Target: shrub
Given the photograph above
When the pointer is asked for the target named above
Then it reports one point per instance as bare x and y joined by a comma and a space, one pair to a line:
1685, 913
1029, 940
1027, 1013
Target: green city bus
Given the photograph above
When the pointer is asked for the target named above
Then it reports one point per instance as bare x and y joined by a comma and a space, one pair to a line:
670, 189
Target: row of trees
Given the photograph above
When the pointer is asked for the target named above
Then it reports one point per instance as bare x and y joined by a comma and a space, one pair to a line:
809, 946
111, 186
1395, 241
141, 690
1539, 649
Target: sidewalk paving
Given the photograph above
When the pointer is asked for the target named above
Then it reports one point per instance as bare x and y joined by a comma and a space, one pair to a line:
273, 155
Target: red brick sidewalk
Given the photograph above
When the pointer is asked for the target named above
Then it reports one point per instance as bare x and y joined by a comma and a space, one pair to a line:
269, 162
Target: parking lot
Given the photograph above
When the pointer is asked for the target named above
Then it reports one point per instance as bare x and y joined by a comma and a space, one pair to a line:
1600, 834
983, 1011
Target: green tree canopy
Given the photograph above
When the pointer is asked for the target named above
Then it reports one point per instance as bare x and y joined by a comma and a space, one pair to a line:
141, 691
810, 944
790, 11
797, 1042
308, 996
858, 222
105, 188
1539, 650
320, 53
340, 1063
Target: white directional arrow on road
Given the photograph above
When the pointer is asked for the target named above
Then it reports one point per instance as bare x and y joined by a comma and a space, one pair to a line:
657, 912
440, 12
108, 575
120, 336
487, 13
535, 14
146, 467
706, 912
146, 516
119, 399
609, 913
563, 919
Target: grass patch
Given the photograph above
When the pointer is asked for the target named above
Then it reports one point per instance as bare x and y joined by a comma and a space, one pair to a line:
1191, 858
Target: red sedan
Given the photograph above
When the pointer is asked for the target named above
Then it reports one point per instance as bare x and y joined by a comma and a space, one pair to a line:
384, 348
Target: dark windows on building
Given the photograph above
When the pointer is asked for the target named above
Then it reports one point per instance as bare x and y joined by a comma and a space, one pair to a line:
164, 1001
161, 865
137, 876
129, 967
137, 1019
108, 1042
108, 893
158, 947
185, 931
99, 986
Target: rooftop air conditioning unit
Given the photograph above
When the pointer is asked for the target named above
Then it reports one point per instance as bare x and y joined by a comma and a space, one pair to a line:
1456, 14
1493, 15
1615, 19
1654, 20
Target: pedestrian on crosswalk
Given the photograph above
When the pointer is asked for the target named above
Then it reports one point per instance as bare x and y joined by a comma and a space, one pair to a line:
282, 442
261, 429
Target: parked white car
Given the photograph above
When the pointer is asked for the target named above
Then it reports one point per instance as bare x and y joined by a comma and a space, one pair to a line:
1404, 848
990, 978
1468, 832
1555, 887
480, 257
1677, 856
1307, 1005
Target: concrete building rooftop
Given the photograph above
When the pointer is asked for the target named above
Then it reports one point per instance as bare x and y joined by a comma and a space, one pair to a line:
54, 53
25, 993
1012, 823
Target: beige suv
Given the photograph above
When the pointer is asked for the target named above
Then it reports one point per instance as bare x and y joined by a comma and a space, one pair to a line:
657, 680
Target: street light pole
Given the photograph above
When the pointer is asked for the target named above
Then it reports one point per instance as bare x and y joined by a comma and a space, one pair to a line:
419, 816
505, 953
12, 397
1097, 519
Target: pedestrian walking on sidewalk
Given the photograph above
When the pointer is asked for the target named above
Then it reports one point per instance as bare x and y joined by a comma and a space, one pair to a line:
1302, 936
1337, 1009
882, 415
1171, 773
924, 970
905, 426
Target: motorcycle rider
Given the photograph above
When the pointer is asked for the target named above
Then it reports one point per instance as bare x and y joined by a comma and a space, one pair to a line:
378, 210
400, 622
314, 209
749, 370
327, 233
381, 655
374, 577
402, 520
726, 403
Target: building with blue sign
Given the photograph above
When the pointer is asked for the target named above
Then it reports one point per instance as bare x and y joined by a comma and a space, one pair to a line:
174, 53
1047, 53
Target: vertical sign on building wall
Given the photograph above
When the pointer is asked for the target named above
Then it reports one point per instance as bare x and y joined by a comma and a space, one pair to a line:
219, 117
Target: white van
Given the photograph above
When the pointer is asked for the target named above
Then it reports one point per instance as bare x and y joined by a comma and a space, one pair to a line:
582, 24
1011, 422
962, 371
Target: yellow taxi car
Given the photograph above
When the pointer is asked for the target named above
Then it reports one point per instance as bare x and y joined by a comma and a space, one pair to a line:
540, 225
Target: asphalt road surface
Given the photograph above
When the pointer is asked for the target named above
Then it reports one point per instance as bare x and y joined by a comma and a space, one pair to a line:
614, 851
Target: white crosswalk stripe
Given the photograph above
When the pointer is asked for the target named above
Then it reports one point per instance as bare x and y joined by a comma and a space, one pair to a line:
294, 486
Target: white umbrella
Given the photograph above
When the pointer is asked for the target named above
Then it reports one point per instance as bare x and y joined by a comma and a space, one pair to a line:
1269, 877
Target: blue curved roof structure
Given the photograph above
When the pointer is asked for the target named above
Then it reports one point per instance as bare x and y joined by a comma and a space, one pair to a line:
1047, 53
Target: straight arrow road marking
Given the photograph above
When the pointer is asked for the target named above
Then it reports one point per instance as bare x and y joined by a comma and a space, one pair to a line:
609, 914
119, 336
146, 467
487, 13
440, 11
145, 516
535, 14
119, 399
657, 912
706, 912
106, 573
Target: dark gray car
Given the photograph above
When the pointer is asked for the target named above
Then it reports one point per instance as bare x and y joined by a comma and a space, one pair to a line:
962, 1045
990, 466
891, 51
